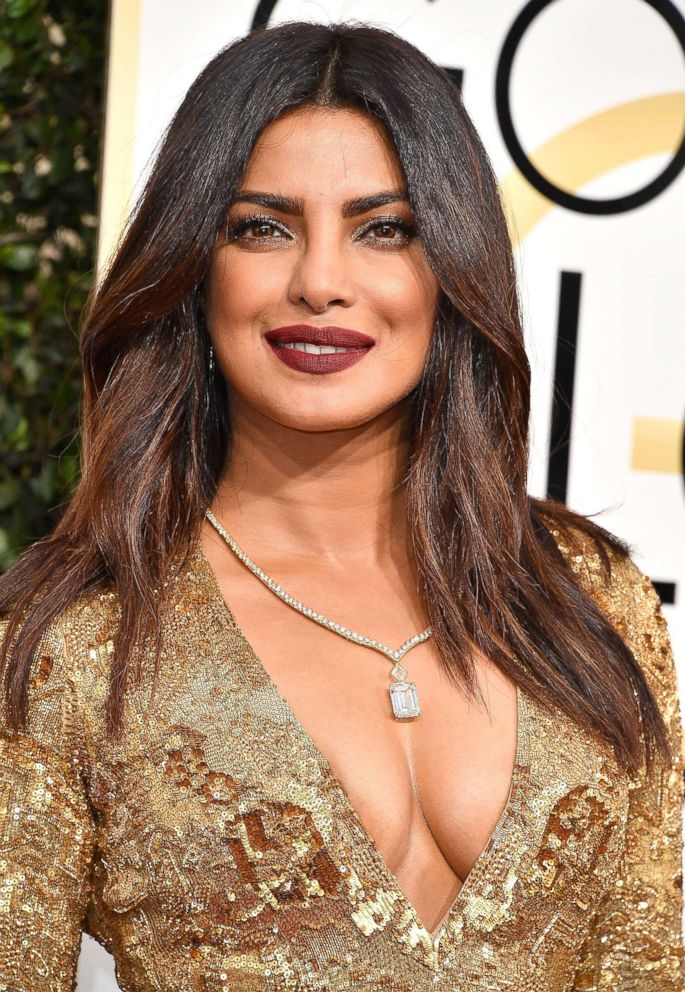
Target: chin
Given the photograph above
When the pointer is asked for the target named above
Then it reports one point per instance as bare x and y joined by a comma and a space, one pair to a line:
315, 421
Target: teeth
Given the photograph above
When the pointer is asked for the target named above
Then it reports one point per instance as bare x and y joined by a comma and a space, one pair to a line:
314, 349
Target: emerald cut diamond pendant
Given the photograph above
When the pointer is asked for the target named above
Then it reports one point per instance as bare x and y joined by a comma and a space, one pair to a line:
404, 697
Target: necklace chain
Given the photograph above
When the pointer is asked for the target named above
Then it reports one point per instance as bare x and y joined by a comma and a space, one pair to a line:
404, 696
337, 628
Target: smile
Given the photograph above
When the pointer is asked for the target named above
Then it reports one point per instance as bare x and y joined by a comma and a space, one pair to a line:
315, 359
318, 350
314, 349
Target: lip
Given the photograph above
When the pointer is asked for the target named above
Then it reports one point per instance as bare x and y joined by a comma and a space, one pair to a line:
340, 337
301, 361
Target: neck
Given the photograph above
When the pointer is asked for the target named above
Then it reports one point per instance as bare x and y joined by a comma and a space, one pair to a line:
335, 496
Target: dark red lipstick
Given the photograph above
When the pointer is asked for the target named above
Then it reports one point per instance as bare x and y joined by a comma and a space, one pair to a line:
282, 339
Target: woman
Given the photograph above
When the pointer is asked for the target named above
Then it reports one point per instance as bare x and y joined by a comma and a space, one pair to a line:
224, 768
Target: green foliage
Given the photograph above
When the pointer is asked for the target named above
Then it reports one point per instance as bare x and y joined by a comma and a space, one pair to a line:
51, 86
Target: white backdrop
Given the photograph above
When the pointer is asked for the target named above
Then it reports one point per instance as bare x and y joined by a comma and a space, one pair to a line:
597, 103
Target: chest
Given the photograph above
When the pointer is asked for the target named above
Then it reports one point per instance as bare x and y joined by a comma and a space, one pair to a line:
224, 819
428, 791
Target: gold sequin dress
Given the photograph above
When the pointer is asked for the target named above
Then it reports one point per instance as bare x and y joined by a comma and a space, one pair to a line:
213, 849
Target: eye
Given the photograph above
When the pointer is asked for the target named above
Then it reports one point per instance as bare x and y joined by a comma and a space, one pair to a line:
259, 222
393, 231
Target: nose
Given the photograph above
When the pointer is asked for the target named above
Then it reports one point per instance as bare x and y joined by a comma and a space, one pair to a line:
321, 275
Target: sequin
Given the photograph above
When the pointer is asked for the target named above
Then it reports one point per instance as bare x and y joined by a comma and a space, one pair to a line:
201, 860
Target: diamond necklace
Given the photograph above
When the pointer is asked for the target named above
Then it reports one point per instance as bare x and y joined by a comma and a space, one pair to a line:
404, 696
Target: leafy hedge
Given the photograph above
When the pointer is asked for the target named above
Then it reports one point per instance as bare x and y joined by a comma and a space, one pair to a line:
51, 88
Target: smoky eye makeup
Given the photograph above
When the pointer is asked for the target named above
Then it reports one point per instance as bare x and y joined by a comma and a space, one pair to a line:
236, 230
406, 228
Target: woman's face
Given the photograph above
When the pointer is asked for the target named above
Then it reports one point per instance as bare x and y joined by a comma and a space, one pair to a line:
315, 263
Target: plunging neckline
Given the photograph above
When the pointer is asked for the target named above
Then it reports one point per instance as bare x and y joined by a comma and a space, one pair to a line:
389, 880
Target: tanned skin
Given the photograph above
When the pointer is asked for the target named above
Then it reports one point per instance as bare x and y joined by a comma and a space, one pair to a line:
312, 493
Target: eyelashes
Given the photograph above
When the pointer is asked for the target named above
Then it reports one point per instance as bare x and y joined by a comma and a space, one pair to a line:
236, 230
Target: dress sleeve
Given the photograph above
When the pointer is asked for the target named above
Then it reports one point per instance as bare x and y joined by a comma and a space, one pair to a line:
47, 834
635, 940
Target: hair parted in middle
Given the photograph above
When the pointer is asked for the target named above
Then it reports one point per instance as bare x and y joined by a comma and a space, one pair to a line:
156, 432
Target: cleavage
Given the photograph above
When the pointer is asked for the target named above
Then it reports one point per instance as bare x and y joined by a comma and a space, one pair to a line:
428, 792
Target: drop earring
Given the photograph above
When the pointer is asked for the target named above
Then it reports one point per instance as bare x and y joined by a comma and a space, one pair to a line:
211, 359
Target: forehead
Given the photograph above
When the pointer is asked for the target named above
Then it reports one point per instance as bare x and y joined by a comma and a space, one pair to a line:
326, 150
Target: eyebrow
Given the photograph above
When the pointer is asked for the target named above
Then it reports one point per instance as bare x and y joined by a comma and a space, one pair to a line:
295, 206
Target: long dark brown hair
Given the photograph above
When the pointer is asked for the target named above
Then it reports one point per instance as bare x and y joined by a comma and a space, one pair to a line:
156, 434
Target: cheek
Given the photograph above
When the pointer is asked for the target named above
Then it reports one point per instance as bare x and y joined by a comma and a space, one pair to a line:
240, 289
407, 299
